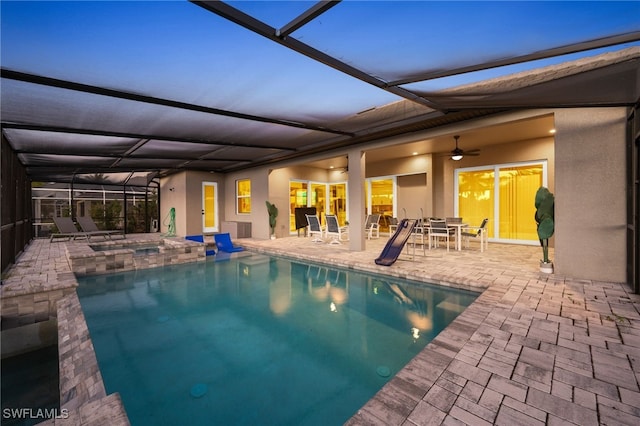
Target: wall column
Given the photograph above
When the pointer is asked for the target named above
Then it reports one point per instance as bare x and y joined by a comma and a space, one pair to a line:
356, 199
590, 197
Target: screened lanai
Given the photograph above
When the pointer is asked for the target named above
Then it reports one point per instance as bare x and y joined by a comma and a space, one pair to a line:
142, 90
156, 87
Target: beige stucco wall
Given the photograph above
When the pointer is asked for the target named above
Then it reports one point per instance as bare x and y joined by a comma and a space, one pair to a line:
184, 192
590, 196
413, 197
173, 194
585, 162
258, 217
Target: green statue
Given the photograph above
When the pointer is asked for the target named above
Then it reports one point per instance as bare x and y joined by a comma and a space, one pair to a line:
273, 215
544, 218
171, 226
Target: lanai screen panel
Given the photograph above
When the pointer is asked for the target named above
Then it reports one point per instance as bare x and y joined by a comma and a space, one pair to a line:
173, 85
405, 40
176, 50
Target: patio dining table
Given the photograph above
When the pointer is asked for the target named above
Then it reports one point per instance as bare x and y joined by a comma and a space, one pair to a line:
458, 228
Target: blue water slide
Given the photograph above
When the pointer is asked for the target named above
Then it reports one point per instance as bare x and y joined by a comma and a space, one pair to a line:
396, 243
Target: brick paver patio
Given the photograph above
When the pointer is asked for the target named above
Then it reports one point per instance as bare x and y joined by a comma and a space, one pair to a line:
532, 349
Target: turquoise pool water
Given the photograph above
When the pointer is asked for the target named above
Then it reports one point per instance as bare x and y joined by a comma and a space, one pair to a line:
257, 339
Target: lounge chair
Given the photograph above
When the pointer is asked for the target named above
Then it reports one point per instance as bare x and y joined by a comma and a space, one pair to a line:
200, 239
334, 230
475, 232
315, 230
66, 229
223, 242
372, 226
89, 226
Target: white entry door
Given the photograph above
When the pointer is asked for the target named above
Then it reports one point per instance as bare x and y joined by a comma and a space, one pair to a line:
209, 207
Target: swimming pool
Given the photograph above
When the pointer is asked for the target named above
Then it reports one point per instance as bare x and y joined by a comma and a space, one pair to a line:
256, 339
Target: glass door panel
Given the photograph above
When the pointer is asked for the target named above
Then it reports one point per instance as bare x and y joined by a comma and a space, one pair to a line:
338, 201
297, 198
319, 199
476, 197
518, 186
209, 207
382, 201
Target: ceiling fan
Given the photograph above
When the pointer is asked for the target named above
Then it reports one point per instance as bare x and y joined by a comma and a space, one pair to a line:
458, 153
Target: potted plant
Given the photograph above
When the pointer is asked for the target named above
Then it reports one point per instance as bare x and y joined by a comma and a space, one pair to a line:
273, 215
544, 219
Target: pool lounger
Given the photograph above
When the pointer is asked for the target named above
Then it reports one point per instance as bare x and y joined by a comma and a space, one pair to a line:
223, 242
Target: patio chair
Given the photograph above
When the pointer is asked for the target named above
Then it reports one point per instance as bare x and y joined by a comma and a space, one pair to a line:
393, 225
438, 229
315, 230
200, 239
89, 226
372, 226
224, 243
334, 229
475, 232
66, 229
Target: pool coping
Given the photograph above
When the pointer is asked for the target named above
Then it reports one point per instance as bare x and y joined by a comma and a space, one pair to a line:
84, 260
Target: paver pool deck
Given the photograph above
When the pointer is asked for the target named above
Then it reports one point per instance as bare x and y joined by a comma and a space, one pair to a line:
532, 349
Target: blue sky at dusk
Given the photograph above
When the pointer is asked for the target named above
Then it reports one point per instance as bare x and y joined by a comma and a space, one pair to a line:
177, 50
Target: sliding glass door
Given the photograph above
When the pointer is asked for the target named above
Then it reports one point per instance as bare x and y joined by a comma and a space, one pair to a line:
380, 196
503, 193
327, 198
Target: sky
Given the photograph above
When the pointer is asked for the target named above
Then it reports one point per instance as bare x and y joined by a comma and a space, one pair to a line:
177, 50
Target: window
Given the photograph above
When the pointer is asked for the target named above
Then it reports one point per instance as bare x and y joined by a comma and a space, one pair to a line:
243, 196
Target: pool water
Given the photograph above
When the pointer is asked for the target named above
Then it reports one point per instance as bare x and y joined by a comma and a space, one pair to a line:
30, 380
256, 339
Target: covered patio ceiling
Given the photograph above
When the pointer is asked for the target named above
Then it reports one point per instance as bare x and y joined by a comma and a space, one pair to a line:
121, 92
